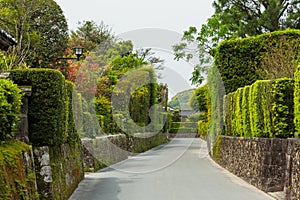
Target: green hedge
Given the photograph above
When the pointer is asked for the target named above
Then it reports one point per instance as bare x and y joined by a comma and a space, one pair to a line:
283, 108
183, 127
240, 60
264, 109
297, 101
49, 106
10, 103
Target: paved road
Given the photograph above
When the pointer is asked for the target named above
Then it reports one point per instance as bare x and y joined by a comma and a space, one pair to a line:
191, 176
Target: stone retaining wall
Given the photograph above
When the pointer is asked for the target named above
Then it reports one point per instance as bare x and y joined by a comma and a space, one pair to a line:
292, 183
59, 170
272, 165
261, 162
107, 150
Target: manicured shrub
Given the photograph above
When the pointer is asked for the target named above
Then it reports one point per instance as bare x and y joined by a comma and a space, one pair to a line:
264, 109
72, 133
47, 106
215, 113
238, 120
241, 61
10, 103
297, 101
261, 107
283, 108
183, 127
246, 112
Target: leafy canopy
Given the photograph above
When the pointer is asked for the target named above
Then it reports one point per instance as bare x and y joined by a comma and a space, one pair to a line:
40, 28
235, 19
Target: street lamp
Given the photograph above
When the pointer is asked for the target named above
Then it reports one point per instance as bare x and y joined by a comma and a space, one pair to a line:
78, 51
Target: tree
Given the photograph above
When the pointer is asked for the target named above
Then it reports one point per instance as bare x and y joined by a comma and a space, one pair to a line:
90, 35
235, 19
40, 28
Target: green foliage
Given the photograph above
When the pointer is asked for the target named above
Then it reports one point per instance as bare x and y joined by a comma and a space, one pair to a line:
215, 113
283, 108
297, 101
216, 147
176, 117
15, 180
10, 104
256, 17
48, 105
39, 27
198, 101
90, 35
240, 62
264, 109
183, 127
231, 20
246, 112
140, 97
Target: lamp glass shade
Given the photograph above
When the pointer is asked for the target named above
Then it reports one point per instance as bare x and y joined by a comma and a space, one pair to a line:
78, 51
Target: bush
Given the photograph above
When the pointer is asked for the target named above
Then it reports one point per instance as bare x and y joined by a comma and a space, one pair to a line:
243, 61
283, 108
264, 109
183, 127
47, 106
297, 101
10, 103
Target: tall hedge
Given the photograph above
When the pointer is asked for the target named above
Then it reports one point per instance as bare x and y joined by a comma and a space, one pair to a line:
10, 103
283, 107
215, 113
239, 61
246, 112
297, 101
264, 109
48, 105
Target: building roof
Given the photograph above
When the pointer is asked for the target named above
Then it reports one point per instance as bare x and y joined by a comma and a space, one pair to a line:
6, 40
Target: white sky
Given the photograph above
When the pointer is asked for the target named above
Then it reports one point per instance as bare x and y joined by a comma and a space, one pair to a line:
164, 16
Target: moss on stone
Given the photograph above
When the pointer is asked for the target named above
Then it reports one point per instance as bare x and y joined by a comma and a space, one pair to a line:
216, 148
17, 180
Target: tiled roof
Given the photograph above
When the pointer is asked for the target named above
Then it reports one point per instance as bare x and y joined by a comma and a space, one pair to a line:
6, 40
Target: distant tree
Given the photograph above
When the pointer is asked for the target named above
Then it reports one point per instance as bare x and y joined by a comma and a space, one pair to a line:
39, 27
199, 99
235, 19
90, 35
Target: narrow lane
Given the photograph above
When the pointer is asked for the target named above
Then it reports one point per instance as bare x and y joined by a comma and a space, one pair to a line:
193, 176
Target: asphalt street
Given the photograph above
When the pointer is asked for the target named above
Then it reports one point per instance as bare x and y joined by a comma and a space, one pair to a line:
179, 170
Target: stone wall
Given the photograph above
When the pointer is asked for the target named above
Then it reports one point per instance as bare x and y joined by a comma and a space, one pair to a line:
107, 150
292, 183
17, 172
261, 162
58, 170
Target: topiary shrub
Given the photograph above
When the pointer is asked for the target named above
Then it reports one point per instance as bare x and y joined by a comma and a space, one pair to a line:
243, 61
10, 104
47, 106
264, 109
283, 108
297, 101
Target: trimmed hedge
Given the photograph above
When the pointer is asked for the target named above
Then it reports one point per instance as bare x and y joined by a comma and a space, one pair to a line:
264, 109
283, 108
183, 127
10, 104
240, 60
49, 106
297, 101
